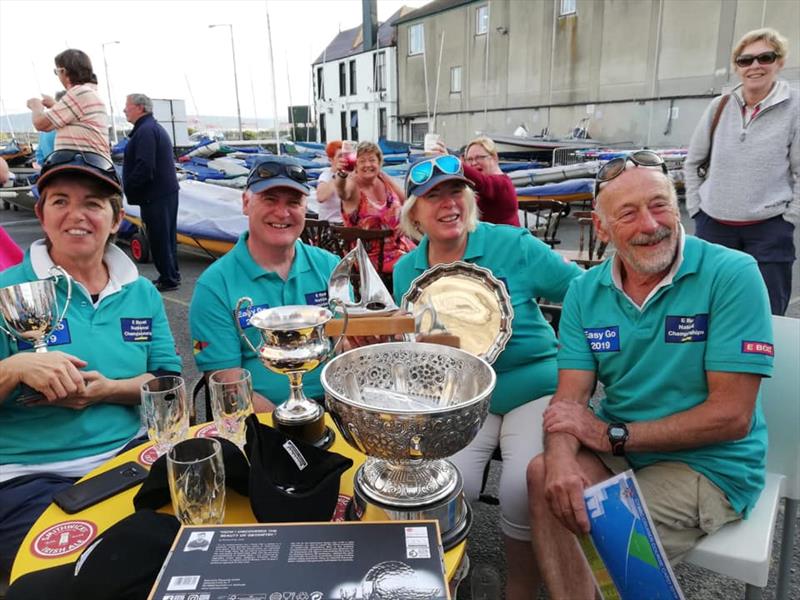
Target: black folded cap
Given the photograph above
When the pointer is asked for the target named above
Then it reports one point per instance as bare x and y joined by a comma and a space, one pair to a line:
154, 492
291, 481
121, 564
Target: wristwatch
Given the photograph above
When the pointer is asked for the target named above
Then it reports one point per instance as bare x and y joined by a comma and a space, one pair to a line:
617, 436
342, 174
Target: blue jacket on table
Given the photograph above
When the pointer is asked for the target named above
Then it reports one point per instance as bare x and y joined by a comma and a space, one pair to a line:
148, 171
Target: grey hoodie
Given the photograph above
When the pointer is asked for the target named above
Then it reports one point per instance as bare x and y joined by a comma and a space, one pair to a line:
754, 173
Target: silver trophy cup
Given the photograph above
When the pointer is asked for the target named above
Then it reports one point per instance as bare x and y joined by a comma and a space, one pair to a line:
30, 310
293, 342
408, 406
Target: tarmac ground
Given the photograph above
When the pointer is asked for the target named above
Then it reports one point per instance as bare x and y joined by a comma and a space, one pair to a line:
485, 543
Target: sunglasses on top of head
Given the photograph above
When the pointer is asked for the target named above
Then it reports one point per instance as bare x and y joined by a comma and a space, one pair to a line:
616, 166
765, 58
91, 159
424, 170
268, 170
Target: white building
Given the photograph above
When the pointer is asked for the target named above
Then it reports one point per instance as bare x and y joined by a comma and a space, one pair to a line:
355, 88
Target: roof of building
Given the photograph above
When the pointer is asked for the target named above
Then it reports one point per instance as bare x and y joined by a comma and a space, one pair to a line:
351, 41
432, 8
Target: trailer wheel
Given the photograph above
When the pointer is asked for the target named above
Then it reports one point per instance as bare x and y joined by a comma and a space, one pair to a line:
140, 248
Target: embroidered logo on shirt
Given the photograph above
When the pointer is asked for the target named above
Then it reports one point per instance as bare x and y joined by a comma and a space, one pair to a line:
603, 339
317, 298
198, 346
758, 348
137, 330
679, 329
244, 314
58, 337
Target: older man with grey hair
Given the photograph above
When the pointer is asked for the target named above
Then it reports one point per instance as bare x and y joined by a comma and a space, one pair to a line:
150, 181
678, 330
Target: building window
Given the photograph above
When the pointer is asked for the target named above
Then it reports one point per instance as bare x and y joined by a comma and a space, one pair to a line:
343, 124
379, 70
418, 131
320, 85
382, 123
323, 132
482, 19
354, 125
352, 78
342, 79
567, 7
455, 80
416, 39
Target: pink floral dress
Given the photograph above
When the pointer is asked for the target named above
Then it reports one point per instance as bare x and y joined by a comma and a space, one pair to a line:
369, 215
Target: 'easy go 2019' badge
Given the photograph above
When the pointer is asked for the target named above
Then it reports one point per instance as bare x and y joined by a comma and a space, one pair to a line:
603, 339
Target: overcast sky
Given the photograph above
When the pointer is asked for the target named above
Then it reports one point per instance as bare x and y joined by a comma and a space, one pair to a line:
166, 49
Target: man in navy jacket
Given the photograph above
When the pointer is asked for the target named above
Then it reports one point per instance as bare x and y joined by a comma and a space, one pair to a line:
150, 181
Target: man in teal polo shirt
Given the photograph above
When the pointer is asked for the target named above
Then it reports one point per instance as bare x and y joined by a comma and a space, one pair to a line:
270, 265
679, 332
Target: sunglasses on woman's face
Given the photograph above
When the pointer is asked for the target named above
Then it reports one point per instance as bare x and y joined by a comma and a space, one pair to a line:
765, 58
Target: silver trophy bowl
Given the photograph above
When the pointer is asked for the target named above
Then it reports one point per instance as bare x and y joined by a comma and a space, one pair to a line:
408, 406
30, 309
293, 342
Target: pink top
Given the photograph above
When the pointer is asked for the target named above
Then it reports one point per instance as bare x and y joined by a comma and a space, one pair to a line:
368, 215
10, 253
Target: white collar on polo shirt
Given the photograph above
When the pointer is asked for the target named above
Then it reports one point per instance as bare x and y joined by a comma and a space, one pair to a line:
121, 270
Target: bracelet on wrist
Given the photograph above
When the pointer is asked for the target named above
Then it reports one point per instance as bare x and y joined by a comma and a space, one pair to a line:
342, 174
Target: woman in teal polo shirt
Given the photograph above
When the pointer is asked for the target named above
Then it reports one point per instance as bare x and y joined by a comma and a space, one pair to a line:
441, 209
114, 337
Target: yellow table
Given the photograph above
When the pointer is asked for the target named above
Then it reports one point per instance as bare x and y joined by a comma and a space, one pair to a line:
58, 538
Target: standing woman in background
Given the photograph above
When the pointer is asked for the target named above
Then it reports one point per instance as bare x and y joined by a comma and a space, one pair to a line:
80, 117
749, 198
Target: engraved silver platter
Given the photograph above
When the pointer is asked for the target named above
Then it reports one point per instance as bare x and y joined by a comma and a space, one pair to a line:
408, 406
465, 300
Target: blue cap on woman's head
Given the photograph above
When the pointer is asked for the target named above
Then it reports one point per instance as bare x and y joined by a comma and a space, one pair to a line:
277, 172
426, 174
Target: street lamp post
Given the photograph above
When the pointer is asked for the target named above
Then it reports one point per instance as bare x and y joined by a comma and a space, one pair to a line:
108, 87
235, 75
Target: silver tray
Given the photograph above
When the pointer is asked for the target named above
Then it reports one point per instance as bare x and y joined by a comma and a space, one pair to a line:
465, 300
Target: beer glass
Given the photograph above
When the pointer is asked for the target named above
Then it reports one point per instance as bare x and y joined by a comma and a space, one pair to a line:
196, 475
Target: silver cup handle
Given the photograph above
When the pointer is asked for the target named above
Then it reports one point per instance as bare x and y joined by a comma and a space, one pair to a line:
244, 300
55, 273
336, 303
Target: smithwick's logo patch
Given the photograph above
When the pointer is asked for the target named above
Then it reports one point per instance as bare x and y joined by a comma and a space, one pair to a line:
317, 298
680, 329
198, 346
295, 454
603, 339
758, 348
62, 539
244, 314
340, 512
206, 431
147, 456
137, 330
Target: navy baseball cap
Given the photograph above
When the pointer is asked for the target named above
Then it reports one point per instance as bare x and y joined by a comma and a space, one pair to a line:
425, 175
277, 172
95, 165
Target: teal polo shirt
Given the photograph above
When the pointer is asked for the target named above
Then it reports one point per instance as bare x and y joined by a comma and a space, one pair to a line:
126, 335
713, 316
216, 340
527, 368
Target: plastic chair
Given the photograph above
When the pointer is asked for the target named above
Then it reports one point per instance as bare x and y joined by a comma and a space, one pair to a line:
741, 550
